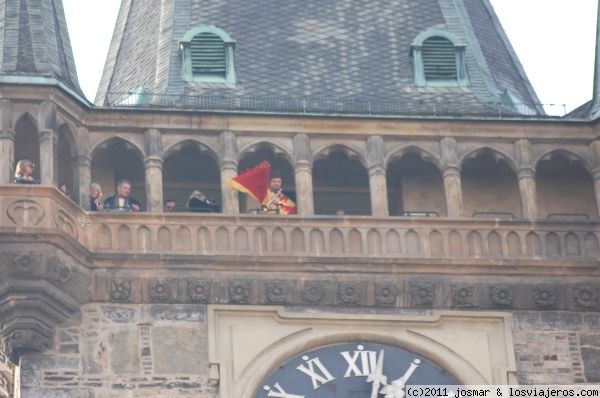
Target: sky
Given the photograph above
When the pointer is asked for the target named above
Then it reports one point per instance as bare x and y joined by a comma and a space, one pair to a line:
554, 39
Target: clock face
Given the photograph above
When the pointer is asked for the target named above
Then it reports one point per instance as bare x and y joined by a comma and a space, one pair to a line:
352, 370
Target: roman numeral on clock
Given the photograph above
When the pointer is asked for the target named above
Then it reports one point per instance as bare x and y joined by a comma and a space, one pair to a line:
317, 372
368, 362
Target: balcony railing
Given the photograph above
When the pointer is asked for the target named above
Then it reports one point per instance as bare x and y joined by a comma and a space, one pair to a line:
344, 240
336, 106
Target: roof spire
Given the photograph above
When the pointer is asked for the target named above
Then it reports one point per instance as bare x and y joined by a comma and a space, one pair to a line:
34, 42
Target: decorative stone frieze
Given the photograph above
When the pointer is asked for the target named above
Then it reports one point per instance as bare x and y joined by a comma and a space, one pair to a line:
313, 292
349, 293
25, 212
586, 296
120, 290
422, 294
463, 296
385, 294
198, 290
239, 291
161, 290
277, 292
501, 295
544, 296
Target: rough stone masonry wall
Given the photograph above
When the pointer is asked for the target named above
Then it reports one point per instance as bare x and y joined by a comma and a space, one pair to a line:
154, 351
557, 347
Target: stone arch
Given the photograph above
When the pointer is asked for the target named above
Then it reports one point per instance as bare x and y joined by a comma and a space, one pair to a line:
132, 146
278, 151
115, 159
281, 161
27, 143
564, 186
351, 153
570, 155
190, 165
340, 182
489, 184
414, 183
423, 153
497, 153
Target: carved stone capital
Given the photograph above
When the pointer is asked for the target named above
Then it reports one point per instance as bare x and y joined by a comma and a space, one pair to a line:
228, 165
451, 171
47, 135
83, 161
302, 166
153, 161
526, 172
30, 309
7, 135
376, 169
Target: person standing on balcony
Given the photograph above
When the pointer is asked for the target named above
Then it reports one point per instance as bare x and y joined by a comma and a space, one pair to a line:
169, 206
24, 172
96, 197
122, 201
277, 201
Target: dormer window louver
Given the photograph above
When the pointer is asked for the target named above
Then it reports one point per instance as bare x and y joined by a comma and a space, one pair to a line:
439, 59
207, 56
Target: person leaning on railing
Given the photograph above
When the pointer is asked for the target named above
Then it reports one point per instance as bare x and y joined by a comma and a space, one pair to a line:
24, 172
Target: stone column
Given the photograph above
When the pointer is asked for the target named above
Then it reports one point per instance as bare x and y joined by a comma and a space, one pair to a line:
526, 177
48, 143
303, 175
229, 169
48, 157
82, 173
451, 176
153, 166
595, 148
83, 180
377, 176
7, 143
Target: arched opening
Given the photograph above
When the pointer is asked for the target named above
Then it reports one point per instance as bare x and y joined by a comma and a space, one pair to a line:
65, 164
279, 163
415, 187
117, 159
490, 187
341, 183
564, 188
27, 144
188, 168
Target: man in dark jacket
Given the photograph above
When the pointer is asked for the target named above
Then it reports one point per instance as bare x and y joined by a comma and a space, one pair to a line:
122, 201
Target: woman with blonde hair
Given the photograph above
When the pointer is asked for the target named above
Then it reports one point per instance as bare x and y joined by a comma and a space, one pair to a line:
96, 197
24, 172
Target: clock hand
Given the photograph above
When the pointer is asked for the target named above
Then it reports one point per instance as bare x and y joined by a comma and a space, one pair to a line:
377, 377
396, 388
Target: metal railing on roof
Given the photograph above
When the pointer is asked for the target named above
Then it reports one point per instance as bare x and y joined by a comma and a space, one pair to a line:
334, 106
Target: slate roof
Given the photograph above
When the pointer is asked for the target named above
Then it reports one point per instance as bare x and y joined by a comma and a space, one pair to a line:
34, 41
312, 48
594, 104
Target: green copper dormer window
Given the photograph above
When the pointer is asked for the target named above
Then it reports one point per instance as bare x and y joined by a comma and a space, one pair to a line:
438, 59
207, 55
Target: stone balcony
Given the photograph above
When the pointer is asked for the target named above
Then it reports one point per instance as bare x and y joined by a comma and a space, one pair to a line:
264, 242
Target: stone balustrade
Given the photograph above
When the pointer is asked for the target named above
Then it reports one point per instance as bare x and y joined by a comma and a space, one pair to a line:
356, 239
